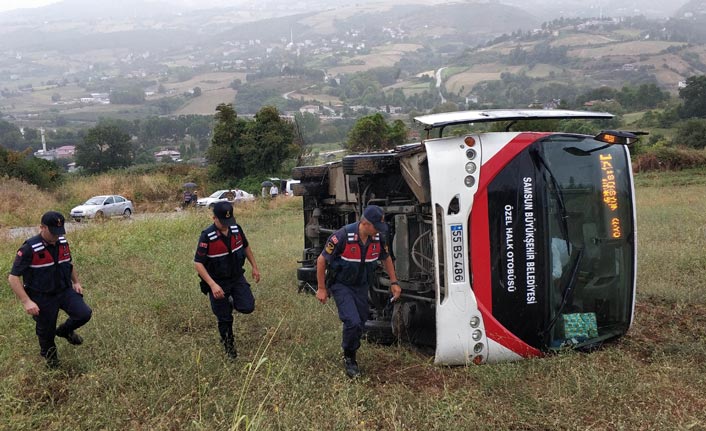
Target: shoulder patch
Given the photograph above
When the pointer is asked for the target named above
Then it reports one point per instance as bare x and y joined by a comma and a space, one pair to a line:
330, 246
19, 253
334, 239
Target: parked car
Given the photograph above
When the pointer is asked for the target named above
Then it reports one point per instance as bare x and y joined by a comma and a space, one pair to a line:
103, 206
287, 186
232, 196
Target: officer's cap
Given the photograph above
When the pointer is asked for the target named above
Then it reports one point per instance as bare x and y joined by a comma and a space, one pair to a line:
375, 215
224, 213
55, 222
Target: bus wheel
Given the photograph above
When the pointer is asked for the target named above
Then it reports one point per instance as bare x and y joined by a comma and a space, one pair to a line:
309, 172
379, 332
308, 189
368, 164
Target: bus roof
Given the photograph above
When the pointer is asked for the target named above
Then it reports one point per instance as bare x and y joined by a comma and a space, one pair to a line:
490, 115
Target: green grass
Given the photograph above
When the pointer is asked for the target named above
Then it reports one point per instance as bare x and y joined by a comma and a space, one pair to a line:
151, 358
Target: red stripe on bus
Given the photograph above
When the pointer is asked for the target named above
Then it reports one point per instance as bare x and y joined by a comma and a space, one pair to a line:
479, 238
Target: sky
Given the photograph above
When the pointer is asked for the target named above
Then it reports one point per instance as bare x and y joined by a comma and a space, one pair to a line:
6, 5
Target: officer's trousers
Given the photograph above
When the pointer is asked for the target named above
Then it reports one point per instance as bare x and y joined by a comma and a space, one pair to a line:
353, 310
242, 300
49, 305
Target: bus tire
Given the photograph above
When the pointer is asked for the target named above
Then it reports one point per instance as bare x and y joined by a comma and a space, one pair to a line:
308, 189
369, 164
379, 332
309, 172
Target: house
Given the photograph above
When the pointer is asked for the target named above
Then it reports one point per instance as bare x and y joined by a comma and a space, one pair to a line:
65, 152
311, 109
164, 154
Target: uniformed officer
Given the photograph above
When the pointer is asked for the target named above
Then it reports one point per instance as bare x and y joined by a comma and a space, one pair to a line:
49, 283
352, 253
219, 260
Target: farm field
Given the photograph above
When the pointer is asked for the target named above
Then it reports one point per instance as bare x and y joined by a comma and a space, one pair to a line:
151, 358
623, 49
382, 56
208, 101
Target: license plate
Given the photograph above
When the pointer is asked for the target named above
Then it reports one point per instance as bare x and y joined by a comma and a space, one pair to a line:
457, 254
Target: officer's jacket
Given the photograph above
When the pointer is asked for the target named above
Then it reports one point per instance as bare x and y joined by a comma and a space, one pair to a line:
47, 273
222, 256
351, 262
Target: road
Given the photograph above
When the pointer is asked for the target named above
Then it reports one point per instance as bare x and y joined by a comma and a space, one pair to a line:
438, 83
28, 231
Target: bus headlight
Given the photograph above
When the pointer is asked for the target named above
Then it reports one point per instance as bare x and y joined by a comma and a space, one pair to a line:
477, 335
471, 153
478, 348
470, 167
469, 181
475, 321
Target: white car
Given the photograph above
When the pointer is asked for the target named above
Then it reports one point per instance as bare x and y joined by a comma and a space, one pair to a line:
103, 206
232, 196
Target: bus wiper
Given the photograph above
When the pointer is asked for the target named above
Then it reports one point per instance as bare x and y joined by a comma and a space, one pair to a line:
568, 290
563, 213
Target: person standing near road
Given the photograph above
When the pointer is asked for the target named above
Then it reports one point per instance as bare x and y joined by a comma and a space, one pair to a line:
351, 254
43, 278
219, 260
274, 191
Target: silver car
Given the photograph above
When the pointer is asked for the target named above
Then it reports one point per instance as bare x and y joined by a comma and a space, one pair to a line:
103, 206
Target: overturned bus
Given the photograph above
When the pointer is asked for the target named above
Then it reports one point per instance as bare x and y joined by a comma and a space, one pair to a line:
507, 245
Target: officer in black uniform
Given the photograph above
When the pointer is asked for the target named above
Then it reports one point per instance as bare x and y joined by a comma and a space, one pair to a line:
219, 260
48, 283
352, 253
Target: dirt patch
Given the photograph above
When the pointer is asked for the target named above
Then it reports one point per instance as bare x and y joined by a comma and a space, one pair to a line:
666, 328
423, 377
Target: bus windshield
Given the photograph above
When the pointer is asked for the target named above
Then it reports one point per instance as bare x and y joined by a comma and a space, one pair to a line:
562, 242
590, 239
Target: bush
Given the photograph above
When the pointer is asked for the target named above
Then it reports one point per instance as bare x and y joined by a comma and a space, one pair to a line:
669, 159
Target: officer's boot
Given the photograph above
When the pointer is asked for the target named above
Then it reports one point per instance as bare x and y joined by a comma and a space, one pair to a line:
351, 364
51, 357
72, 337
227, 339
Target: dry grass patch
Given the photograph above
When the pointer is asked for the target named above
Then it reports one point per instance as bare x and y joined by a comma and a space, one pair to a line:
23, 204
207, 102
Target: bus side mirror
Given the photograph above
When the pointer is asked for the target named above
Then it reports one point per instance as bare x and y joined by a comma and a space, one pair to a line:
619, 137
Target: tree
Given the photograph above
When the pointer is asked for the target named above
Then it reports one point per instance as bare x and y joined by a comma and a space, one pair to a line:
10, 135
242, 148
22, 165
104, 147
223, 154
694, 96
371, 133
309, 125
268, 142
691, 133
197, 91
127, 96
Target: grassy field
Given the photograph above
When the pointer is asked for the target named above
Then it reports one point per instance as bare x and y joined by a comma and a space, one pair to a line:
623, 48
151, 359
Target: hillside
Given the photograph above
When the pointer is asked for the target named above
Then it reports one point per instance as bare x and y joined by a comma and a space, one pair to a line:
54, 70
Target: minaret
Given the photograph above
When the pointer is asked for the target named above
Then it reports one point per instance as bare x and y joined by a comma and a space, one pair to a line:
44, 141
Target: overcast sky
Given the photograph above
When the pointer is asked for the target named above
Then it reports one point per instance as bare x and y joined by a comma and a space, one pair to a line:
6, 5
